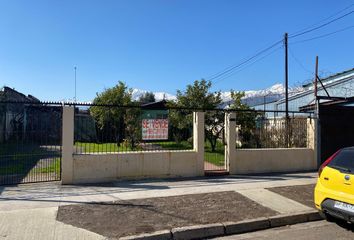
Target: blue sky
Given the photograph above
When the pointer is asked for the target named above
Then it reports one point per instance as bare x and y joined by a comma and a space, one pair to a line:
162, 45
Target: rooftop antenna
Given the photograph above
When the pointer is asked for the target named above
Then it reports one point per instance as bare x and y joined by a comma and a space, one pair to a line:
75, 85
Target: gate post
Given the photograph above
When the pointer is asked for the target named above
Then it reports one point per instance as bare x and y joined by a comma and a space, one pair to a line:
230, 135
67, 145
198, 140
312, 140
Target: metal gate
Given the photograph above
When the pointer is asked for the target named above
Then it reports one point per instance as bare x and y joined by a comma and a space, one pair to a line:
214, 150
336, 129
30, 142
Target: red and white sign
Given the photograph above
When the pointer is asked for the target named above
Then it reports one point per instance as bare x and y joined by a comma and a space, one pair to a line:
154, 129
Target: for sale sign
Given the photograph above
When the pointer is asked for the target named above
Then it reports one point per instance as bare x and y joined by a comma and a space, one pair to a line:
155, 129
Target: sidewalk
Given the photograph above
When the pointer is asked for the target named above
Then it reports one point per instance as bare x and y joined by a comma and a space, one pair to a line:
29, 211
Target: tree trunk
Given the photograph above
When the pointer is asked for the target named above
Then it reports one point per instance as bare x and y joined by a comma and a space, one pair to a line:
213, 143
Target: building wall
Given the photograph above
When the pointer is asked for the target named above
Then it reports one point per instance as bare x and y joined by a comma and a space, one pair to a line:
338, 86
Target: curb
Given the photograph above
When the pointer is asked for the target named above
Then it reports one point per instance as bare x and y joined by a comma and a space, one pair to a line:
228, 228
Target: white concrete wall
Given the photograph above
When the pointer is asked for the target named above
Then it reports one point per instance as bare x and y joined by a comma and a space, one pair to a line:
272, 160
91, 168
67, 145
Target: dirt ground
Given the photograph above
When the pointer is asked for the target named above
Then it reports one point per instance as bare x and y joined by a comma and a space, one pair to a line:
300, 193
124, 218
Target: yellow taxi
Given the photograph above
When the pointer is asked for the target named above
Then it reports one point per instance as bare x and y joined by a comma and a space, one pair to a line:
334, 191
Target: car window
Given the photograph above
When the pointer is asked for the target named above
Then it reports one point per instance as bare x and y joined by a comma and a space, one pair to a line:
344, 161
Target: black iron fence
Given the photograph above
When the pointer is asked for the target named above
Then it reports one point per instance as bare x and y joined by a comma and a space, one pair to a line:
108, 129
214, 143
271, 129
30, 134
30, 142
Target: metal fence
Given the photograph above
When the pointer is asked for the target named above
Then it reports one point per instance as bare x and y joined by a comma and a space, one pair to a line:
30, 134
271, 129
214, 143
30, 142
111, 129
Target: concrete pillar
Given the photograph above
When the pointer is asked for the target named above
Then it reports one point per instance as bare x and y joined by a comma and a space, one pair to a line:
67, 163
310, 133
198, 140
317, 145
312, 139
230, 149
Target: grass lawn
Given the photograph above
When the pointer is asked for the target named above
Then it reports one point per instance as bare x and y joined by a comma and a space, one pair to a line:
22, 149
26, 159
112, 147
171, 145
218, 157
101, 147
53, 167
16, 168
28, 166
215, 158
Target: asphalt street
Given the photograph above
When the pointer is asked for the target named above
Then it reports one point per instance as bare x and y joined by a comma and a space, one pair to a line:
320, 230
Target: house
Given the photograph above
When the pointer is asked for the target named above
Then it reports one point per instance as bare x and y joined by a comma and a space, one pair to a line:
338, 85
26, 118
334, 116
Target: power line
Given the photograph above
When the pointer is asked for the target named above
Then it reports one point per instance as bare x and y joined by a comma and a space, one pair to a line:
231, 68
329, 17
322, 25
244, 67
298, 61
324, 35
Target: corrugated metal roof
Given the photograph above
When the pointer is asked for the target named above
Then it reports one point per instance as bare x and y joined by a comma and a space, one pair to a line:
332, 77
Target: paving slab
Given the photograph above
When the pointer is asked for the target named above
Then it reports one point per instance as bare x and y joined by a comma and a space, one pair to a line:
274, 201
39, 224
28, 211
51, 194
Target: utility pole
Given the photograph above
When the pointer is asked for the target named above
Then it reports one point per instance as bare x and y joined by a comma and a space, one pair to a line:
317, 117
75, 85
316, 78
264, 103
287, 137
286, 76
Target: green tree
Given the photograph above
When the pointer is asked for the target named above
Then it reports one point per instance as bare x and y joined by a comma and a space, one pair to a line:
147, 97
198, 95
110, 120
246, 119
132, 120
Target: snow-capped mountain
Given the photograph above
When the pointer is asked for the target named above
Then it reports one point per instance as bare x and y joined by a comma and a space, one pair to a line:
255, 97
273, 90
252, 97
158, 95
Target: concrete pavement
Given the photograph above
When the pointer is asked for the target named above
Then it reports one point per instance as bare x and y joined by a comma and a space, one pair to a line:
274, 201
39, 223
320, 230
35, 205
